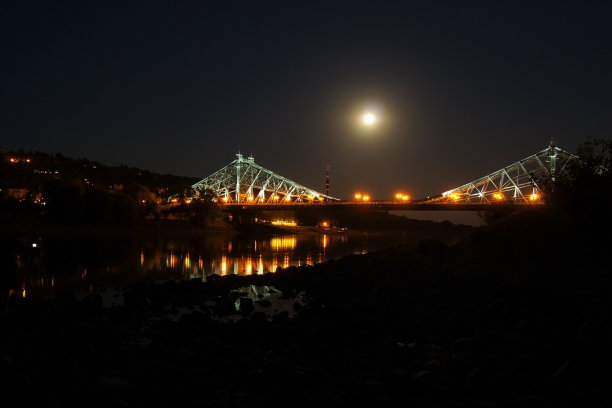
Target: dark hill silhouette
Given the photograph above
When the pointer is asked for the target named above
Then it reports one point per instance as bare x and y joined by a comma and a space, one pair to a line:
31, 170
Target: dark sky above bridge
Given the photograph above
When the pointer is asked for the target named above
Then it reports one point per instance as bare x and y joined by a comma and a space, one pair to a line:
464, 88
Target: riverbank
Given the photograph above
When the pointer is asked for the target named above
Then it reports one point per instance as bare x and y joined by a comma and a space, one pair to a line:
516, 315
28, 224
24, 224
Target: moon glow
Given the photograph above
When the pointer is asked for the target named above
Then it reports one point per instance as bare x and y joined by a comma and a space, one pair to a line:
369, 119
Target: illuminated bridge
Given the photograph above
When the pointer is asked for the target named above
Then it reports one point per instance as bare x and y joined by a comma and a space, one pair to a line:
518, 183
245, 182
245, 185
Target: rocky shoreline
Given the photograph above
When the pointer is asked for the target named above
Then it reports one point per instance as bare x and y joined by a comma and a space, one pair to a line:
516, 315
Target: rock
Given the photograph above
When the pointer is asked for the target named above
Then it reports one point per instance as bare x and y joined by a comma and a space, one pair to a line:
264, 303
212, 277
113, 383
259, 317
225, 306
246, 306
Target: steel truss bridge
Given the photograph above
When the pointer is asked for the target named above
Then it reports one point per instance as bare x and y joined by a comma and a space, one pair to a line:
245, 185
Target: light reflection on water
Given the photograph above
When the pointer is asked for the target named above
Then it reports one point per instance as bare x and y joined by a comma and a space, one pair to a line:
258, 256
71, 266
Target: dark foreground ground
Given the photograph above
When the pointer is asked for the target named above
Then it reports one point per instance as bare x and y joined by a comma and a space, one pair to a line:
518, 315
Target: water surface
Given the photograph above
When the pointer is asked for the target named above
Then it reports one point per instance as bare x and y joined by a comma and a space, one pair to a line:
49, 266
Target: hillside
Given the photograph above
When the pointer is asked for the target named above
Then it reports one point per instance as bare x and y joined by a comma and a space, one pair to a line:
32, 170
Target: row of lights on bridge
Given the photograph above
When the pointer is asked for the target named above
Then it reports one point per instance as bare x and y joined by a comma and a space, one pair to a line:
366, 197
358, 197
275, 197
497, 196
398, 197
401, 197
362, 197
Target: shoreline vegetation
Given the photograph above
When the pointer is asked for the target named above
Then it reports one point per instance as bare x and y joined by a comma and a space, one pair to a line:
16, 224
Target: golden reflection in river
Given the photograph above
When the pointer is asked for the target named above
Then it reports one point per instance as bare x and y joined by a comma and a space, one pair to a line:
173, 258
220, 255
224, 265
249, 266
283, 243
260, 266
244, 258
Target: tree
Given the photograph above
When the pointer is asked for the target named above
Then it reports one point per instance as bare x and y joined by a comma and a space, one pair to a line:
64, 202
586, 185
124, 209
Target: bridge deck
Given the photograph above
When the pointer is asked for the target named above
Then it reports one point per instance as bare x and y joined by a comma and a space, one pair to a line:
378, 205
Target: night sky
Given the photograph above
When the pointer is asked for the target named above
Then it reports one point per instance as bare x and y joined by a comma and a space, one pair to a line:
461, 89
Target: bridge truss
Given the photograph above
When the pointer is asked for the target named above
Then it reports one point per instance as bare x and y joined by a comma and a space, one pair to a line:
519, 183
244, 181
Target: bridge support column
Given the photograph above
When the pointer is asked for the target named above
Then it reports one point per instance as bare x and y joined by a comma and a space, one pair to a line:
553, 164
238, 162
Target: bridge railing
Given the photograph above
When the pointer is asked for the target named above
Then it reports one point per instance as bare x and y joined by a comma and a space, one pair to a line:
420, 205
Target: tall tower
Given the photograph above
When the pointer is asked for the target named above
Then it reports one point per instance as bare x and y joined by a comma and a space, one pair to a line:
238, 163
552, 149
327, 179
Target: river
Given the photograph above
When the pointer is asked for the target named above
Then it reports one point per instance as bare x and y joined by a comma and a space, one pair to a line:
46, 267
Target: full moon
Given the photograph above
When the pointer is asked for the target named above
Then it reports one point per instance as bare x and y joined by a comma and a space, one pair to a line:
369, 119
